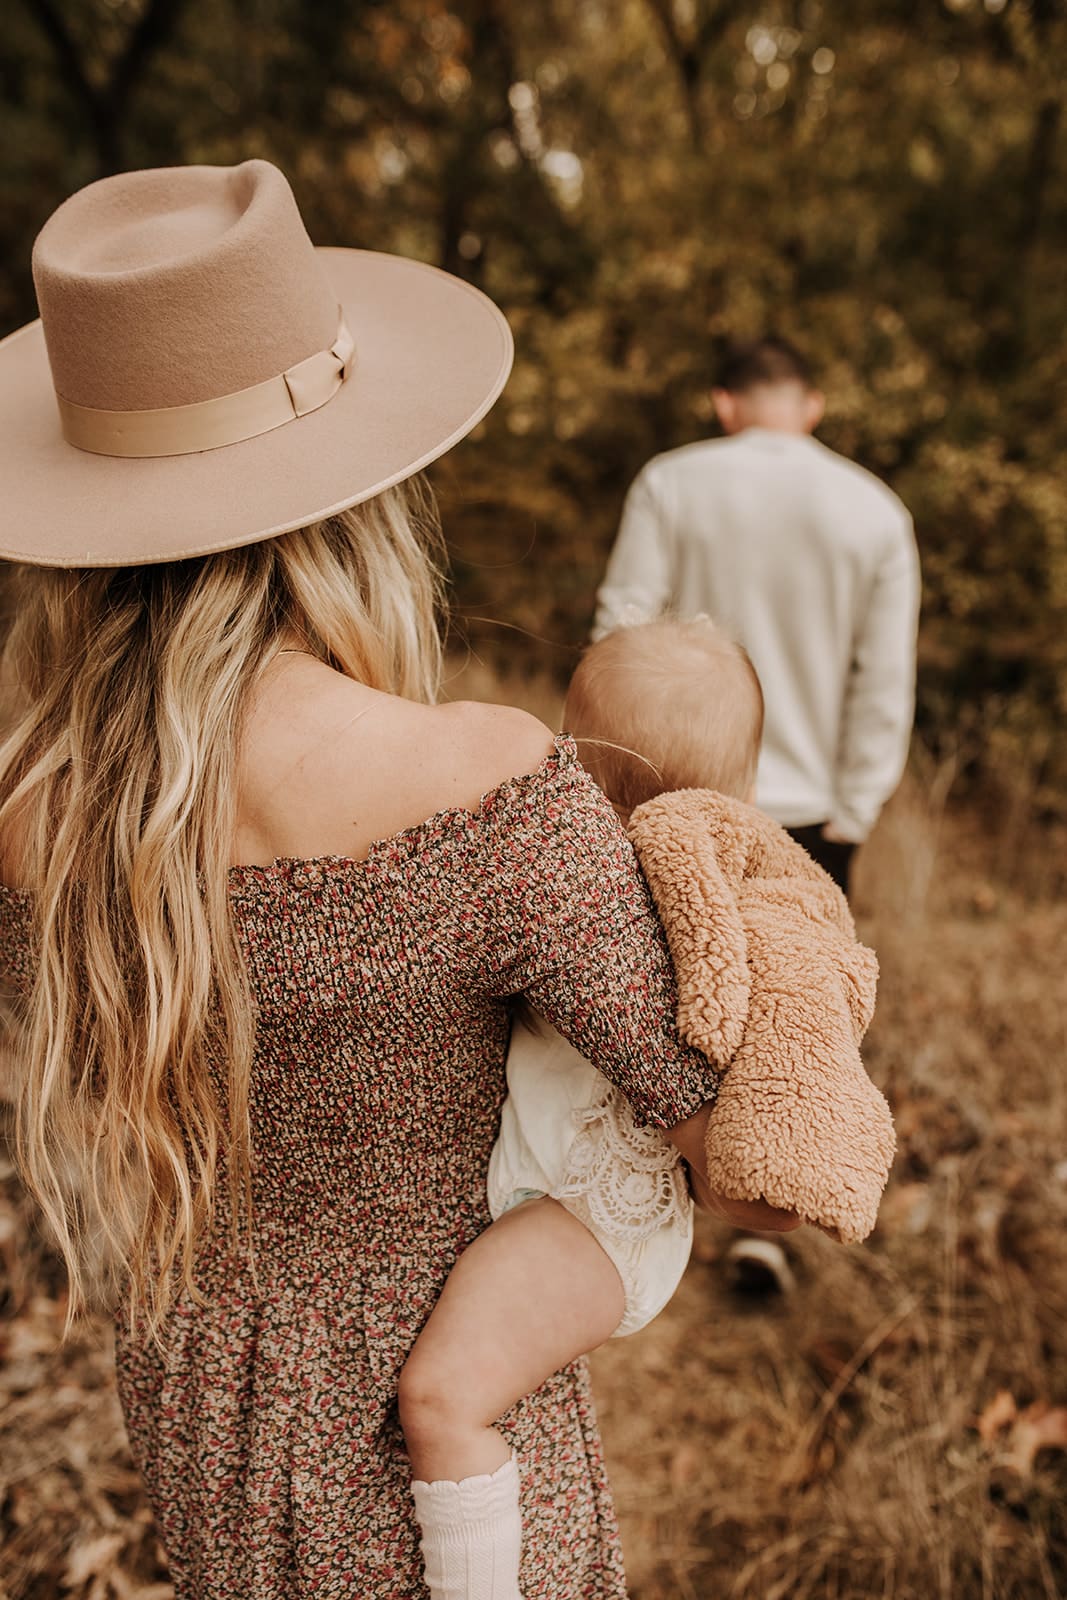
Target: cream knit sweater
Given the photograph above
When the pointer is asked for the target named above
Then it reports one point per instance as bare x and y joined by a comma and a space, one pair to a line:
810, 562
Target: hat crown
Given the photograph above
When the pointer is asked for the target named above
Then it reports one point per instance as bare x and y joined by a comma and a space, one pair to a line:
177, 285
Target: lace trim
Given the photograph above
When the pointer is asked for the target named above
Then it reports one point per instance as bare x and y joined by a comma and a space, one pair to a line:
623, 1181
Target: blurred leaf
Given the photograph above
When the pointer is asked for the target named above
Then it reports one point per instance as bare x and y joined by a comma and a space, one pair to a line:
998, 1414
1039, 1427
93, 1558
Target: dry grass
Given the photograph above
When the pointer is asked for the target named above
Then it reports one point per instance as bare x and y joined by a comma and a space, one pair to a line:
826, 1447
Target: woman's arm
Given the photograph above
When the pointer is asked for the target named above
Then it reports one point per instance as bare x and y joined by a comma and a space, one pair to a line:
573, 927
569, 922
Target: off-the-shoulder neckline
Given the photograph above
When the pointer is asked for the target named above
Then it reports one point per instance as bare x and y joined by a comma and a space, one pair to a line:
395, 846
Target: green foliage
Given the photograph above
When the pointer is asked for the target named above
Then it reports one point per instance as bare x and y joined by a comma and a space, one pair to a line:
634, 180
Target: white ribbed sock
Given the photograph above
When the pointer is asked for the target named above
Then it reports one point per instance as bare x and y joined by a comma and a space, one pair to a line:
471, 1535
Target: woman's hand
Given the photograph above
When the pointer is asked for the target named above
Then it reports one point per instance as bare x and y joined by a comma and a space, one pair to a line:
756, 1215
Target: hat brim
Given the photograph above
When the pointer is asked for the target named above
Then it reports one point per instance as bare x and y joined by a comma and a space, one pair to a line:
432, 354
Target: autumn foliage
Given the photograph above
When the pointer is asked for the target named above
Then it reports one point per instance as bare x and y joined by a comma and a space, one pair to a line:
636, 181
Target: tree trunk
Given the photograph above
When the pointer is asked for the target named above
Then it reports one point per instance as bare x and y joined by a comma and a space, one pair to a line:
106, 107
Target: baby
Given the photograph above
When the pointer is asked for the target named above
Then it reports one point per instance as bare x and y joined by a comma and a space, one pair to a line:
593, 1214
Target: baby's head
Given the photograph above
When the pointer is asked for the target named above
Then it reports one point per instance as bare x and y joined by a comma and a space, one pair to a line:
666, 705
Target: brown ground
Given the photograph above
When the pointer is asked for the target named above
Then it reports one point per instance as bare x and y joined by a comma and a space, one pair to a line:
895, 1429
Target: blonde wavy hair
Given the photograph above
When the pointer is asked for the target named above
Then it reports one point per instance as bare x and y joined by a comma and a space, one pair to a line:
127, 691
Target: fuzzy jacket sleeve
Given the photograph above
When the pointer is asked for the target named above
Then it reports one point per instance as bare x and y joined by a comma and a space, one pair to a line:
775, 989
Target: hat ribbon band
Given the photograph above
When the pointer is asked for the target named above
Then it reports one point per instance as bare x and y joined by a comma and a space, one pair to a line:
209, 424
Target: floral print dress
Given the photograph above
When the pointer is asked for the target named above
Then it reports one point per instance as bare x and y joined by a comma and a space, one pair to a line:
266, 1427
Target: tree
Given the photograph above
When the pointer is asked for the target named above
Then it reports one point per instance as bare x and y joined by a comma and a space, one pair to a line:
636, 180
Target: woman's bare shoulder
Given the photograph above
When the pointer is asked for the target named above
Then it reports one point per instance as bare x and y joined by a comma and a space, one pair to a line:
330, 766
451, 755
487, 744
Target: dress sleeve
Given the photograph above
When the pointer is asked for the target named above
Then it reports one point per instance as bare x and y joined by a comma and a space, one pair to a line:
575, 930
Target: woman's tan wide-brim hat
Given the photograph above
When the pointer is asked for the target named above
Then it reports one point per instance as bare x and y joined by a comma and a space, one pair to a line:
202, 377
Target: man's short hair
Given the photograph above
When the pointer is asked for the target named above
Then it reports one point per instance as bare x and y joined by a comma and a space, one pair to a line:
746, 364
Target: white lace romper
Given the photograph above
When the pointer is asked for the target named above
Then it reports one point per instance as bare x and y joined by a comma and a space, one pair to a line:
567, 1132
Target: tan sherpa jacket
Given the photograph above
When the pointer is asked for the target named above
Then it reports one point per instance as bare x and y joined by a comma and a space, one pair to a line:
775, 989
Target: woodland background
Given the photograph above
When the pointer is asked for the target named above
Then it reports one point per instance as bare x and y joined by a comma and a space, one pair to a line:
884, 181
635, 181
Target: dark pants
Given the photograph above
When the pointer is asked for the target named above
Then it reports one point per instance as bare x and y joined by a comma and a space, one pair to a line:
834, 858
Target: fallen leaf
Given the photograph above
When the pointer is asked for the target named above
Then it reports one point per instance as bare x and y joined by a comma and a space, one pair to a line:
1039, 1427
92, 1559
685, 1466
907, 1208
1000, 1411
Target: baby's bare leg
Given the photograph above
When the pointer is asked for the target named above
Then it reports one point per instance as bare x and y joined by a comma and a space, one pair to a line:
530, 1295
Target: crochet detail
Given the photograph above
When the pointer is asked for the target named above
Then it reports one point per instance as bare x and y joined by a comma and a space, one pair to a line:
623, 1181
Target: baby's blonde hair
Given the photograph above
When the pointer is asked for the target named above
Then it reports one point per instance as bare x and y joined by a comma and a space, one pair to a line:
666, 705
126, 692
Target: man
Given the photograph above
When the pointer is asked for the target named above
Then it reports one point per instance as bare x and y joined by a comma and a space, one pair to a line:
810, 561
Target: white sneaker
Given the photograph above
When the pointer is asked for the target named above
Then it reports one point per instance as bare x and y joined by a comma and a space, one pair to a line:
758, 1266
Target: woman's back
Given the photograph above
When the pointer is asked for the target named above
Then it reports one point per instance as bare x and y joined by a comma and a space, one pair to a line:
385, 911
380, 978
392, 889
391, 884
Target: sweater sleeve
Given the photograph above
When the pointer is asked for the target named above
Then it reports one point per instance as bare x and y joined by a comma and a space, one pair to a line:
575, 930
880, 694
638, 582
